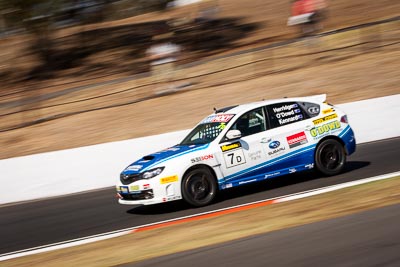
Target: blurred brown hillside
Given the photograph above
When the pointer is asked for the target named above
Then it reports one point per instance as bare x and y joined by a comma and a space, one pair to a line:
75, 85
91, 49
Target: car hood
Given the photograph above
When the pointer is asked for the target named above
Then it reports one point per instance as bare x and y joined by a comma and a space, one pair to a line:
155, 159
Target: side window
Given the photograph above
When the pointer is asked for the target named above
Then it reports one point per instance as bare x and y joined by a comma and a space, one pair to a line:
284, 113
251, 122
310, 109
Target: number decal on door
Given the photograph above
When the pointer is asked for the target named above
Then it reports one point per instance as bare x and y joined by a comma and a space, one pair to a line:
234, 158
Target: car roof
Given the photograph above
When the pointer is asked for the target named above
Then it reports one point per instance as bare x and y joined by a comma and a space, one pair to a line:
238, 109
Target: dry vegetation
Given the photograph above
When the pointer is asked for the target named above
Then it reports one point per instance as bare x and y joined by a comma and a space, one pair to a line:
172, 239
347, 74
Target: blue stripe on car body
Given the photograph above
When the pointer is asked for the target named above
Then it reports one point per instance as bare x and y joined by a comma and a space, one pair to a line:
269, 163
190, 150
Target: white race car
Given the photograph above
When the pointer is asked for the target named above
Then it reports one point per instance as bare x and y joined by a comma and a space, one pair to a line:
239, 145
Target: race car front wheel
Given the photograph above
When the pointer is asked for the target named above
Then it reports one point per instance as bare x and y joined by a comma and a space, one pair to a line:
199, 187
330, 157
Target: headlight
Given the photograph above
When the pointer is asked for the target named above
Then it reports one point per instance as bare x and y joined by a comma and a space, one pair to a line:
153, 172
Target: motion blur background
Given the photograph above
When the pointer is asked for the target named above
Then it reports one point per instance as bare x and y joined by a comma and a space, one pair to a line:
76, 72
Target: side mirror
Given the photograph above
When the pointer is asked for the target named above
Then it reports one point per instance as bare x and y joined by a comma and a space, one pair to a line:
233, 134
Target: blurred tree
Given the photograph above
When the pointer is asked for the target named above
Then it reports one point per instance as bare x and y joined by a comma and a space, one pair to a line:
35, 17
42, 17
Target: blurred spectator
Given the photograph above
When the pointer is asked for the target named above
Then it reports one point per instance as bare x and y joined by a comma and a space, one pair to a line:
308, 14
163, 54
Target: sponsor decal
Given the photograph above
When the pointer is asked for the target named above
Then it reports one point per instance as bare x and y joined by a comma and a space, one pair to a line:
274, 144
272, 174
198, 159
327, 111
319, 131
221, 126
276, 147
265, 140
313, 110
218, 118
309, 166
287, 113
234, 158
134, 188
169, 179
285, 108
324, 119
249, 181
134, 168
276, 151
255, 155
146, 186
297, 139
292, 170
290, 119
124, 189
227, 186
232, 146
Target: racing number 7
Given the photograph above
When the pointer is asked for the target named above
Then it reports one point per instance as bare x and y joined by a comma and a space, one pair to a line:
238, 158
231, 156
234, 158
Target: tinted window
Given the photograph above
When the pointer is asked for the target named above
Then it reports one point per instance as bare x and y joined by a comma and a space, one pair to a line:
284, 113
251, 122
204, 133
310, 109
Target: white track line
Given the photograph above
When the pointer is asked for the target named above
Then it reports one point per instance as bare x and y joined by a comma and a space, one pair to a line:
99, 237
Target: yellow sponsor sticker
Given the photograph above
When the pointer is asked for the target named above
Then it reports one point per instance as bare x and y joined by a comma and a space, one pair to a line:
230, 146
325, 129
123, 189
324, 119
329, 110
134, 188
169, 179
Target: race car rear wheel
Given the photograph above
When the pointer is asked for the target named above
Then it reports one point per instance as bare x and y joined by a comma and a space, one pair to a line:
199, 187
330, 157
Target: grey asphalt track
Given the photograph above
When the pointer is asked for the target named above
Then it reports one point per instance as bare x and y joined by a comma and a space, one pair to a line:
366, 239
59, 219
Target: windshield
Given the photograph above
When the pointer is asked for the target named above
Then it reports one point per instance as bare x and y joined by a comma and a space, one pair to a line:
204, 133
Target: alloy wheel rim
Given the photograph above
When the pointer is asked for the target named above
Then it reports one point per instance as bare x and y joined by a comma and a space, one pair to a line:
199, 187
330, 157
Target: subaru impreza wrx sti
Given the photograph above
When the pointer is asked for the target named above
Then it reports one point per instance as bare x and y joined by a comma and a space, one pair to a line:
242, 144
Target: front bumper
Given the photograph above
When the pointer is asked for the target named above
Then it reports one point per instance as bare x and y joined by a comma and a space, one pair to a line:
147, 192
142, 202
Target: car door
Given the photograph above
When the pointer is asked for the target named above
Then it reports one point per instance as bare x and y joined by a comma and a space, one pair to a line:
286, 145
240, 157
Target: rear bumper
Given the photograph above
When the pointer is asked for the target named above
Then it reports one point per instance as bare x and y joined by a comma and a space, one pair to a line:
349, 140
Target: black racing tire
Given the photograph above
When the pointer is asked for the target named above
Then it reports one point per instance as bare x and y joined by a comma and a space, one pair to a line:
330, 157
199, 187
